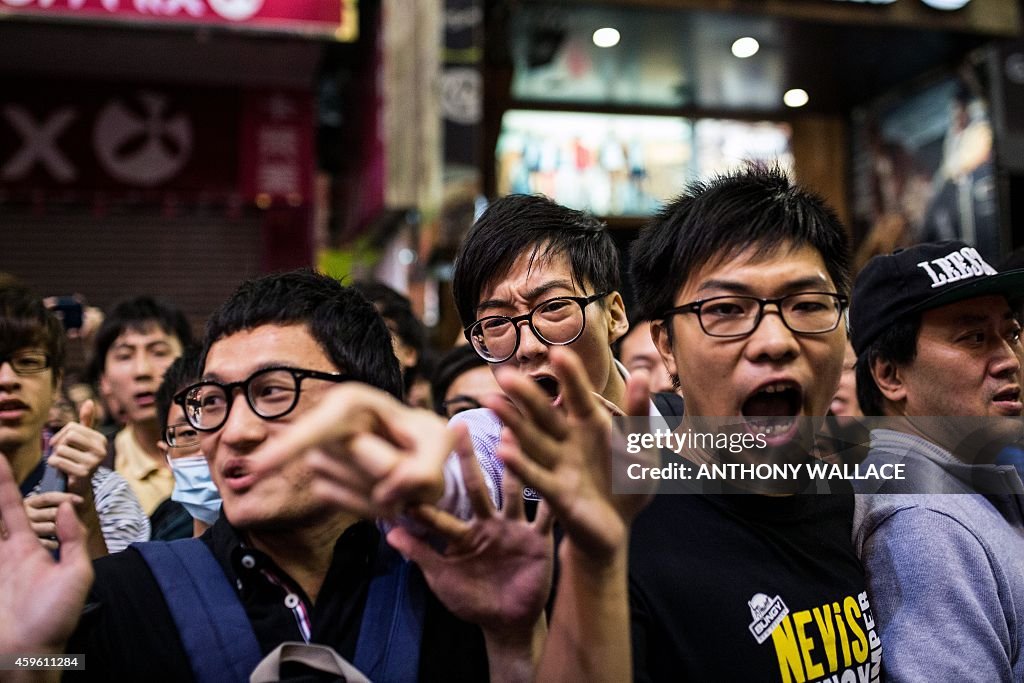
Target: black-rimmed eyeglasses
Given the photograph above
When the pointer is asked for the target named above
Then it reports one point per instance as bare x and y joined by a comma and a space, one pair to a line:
181, 435
271, 393
556, 322
458, 404
27, 362
739, 316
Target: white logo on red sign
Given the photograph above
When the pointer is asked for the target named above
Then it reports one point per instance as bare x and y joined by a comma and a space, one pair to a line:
143, 150
236, 10
232, 10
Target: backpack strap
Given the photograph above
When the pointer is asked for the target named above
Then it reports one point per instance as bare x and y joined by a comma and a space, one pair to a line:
388, 648
211, 621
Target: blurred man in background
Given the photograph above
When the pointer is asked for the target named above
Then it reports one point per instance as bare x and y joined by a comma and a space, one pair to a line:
461, 381
134, 346
636, 351
408, 338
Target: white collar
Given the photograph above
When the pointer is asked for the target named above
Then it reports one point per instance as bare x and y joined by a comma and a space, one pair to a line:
653, 411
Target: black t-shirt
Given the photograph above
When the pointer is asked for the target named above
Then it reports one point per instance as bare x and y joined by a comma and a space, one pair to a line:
749, 588
127, 632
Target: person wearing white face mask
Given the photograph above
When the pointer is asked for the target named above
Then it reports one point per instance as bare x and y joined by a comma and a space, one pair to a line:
193, 486
195, 503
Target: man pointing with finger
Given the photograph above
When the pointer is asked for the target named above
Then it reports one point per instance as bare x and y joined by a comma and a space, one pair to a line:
282, 566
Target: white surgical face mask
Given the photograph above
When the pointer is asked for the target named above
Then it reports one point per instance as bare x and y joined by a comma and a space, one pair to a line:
194, 488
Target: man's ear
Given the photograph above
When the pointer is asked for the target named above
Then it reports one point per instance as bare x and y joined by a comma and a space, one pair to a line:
407, 356
889, 379
660, 336
618, 324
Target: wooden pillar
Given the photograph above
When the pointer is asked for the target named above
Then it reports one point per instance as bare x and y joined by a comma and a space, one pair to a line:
820, 153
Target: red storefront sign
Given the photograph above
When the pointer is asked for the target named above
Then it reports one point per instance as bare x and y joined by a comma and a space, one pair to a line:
337, 19
145, 141
277, 153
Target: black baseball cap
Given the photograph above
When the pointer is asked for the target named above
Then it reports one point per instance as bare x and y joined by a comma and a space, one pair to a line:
921, 278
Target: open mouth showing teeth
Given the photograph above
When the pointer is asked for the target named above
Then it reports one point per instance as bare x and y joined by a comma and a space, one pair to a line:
549, 385
772, 409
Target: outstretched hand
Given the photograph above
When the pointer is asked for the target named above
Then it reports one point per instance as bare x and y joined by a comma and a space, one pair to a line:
372, 454
40, 599
495, 570
567, 456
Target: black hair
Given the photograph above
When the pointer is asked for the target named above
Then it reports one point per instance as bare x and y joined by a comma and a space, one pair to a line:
138, 315
517, 224
25, 321
715, 220
457, 361
398, 309
896, 344
186, 369
346, 325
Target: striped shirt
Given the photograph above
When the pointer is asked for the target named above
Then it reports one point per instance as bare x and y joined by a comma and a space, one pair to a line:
121, 517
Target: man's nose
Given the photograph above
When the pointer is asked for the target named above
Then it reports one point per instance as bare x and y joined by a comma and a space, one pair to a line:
530, 345
142, 365
243, 428
772, 339
8, 377
1007, 361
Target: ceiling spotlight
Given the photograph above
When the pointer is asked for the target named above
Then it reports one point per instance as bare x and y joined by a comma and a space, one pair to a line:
745, 47
606, 37
948, 5
797, 97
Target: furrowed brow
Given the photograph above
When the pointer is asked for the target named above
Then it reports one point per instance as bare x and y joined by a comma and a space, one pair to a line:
532, 294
